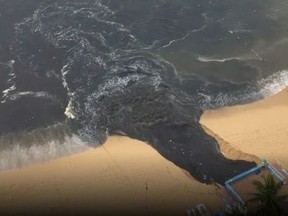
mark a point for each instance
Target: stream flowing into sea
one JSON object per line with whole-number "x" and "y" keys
{"x": 74, "y": 72}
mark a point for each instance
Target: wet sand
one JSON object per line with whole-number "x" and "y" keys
{"x": 124, "y": 176}
{"x": 259, "y": 129}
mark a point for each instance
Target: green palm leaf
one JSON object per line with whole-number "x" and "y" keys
{"x": 267, "y": 196}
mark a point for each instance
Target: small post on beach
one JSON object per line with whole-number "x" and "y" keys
{"x": 146, "y": 196}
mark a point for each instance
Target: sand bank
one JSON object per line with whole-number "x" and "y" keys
{"x": 253, "y": 131}
{"x": 124, "y": 176}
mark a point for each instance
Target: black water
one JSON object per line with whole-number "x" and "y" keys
{"x": 145, "y": 68}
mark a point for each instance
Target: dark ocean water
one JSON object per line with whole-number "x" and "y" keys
{"x": 73, "y": 72}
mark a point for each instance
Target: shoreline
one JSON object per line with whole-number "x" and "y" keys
{"x": 133, "y": 178}
{"x": 254, "y": 131}
{"x": 230, "y": 151}
{"x": 125, "y": 174}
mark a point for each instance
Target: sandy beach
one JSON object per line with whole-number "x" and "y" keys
{"x": 72, "y": 73}
{"x": 254, "y": 131}
{"x": 124, "y": 176}
{"x": 129, "y": 177}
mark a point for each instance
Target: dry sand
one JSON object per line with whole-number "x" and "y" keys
{"x": 110, "y": 179}
{"x": 259, "y": 129}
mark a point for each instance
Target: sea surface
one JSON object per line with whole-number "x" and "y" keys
{"x": 74, "y": 72}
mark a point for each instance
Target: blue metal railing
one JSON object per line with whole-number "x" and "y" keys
{"x": 247, "y": 173}
{"x": 276, "y": 173}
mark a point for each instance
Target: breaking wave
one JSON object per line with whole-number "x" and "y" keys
{"x": 24, "y": 149}
{"x": 261, "y": 89}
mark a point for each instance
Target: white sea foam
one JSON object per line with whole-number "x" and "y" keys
{"x": 263, "y": 88}
{"x": 204, "y": 26}
{"x": 16, "y": 95}
{"x": 10, "y": 82}
{"x": 19, "y": 156}
{"x": 206, "y": 59}
{"x": 69, "y": 110}
{"x": 11, "y": 63}
{"x": 8, "y": 90}
{"x": 176, "y": 40}
{"x": 115, "y": 84}
{"x": 236, "y": 31}
{"x": 274, "y": 83}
